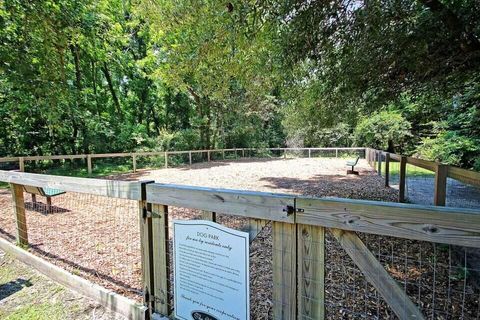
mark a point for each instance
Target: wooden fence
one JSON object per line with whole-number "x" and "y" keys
{"x": 299, "y": 226}
{"x": 379, "y": 159}
{"x": 238, "y": 152}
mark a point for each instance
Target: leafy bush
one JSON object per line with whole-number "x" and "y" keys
{"x": 451, "y": 148}
{"x": 379, "y": 128}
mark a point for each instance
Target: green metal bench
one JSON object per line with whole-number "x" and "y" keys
{"x": 353, "y": 164}
{"x": 44, "y": 192}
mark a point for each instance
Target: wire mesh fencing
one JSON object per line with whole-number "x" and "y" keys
{"x": 462, "y": 195}
{"x": 91, "y": 236}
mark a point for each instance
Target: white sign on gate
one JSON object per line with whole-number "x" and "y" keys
{"x": 210, "y": 271}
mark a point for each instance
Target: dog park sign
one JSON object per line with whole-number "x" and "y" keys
{"x": 210, "y": 271}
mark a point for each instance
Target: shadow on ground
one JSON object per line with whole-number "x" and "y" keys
{"x": 12, "y": 287}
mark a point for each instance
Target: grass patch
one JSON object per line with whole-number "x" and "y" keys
{"x": 42, "y": 311}
{"x": 394, "y": 169}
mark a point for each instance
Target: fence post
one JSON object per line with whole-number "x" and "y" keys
{"x": 146, "y": 251}
{"x": 208, "y": 155}
{"x": 20, "y": 217}
{"x": 379, "y": 164}
{"x": 243, "y": 153}
{"x": 236, "y": 155}
{"x": 166, "y": 159}
{"x": 89, "y": 164}
{"x": 284, "y": 270}
{"x": 284, "y": 153}
{"x": 21, "y": 164}
{"x": 387, "y": 169}
{"x": 336, "y": 153}
{"x": 223, "y": 154}
{"x": 190, "y": 157}
{"x": 440, "y": 193}
{"x": 311, "y": 272}
{"x": 161, "y": 266}
{"x": 209, "y": 215}
{"x": 402, "y": 182}
{"x": 309, "y": 152}
{"x": 134, "y": 162}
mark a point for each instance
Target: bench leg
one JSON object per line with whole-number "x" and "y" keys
{"x": 49, "y": 204}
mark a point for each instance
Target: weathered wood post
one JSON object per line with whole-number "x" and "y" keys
{"x": 21, "y": 164}
{"x": 161, "y": 261}
{"x": 236, "y": 155}
{"x": 165, "y": 155}
{"x": 440, "y": 193}
{"x": 146, "y": 244}
{"x": 336, "y": 153}
{"x": 208, "y": 155}
{"x": 387, "y": 169}
{"x": 190, "y": 157}
{"x": 209, "y": 215}
{"x": 89, "y": 164}
{"x": 134, "y": 162}
{"x": 20, "y": 217}
{"x": 285, "y": 153}
{"x": 379, "y": 164}
{"x": 402, "y": 182}
{"x": 243, "y": 153}
{"x": 309, "y": 152}
{"x": 223, "y": 154}
{"x": 311, "y": 272}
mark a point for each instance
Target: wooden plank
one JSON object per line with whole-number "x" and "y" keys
{"x": 255, "y": 226}
{"x": 251, "y": 204}
{"x": 9, "y": 159}
{"x": 284, "y": 271}
{"x": 376, "y": 274}
{"x": 311, "y": 272}
{"x": 387, "y": 169}
{"x": 428, "y": 223}
{"x": 395, "y": 156}
{"x": 55, "y": 157}
{"x": 107, "y": 298}
{"x": 425, "y": 164}
{"x": 440, "y": 191}
{"x": 465, "y": 176}
{"x": 161, "y": 261}
{"x": 402, "y": 179}
{"x": 107, "y": 188}
{"x": 209, "y": 215}
{"x": 19, "y": 211}
{"x": 109, "y": 155}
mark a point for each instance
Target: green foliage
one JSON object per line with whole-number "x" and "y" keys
{"x": 380, "y": 128}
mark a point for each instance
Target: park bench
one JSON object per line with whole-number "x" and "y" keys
{"x": 44, "y": 192}
{"x": 352, "y": 164}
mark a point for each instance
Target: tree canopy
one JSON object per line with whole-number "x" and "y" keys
{"x": 123, "y": 75}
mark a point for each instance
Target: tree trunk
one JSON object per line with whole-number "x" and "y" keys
{"x": 116, "y": 102}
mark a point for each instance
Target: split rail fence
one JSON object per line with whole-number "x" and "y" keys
{"x": 381, "y": 161}
{"x": 208, "y": 155}
{"x": 303, "y": 230}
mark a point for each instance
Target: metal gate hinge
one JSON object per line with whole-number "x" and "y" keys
{"x": 147, "y": 213}
{"x": 291, "y": 210}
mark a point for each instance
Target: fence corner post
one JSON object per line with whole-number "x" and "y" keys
{"x": 440, "y": 193}
{"x": 20, "y": 217}
{"x": 402, "y": 182}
